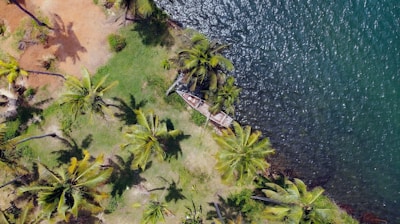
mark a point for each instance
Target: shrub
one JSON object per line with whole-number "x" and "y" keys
{"x": 117, "y": 42}
{"x": 29, "y": 93}
{"x": 198, "y": 118}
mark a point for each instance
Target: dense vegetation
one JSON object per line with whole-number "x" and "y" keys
{"x": 58, "y": 179}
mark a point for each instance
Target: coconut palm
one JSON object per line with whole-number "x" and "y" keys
{"x": 242, "y": 154}
{"x": 203, "y": 62}
{"x": 66, "y": 190}
{"x": 154, "y": 212}
{"x": 145, "y": 139}
{"x": 143, "y": 8}
{"x": 83, "y": 96}
{"x": 225, "y": 97}
{"x": 293, "y": 203}
{"x": 11, "y": 70}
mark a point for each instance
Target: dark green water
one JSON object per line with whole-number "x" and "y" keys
{"x": 321, "y": 78}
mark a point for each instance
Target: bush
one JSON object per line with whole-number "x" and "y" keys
{"x": 29, "y": 93}
{"x": 117, "y": 42}
{"x": 198, "y": 118}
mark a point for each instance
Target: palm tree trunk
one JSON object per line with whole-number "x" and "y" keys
{"x": 53, "y": 135}
{"x": 10, "y": 182}
{"x": 218, "y": 212}
{"x": 178, "y": 81}
{"x": 46, "y": 73}
{"x": 40, "y": 23}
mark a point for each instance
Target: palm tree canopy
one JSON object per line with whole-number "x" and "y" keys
{"x": 154, "y": 212}
{"x": 83, "y": 96}
{"x": 66, "y": 190}
{"x": 295, "y": 204}
{"x": 144, "y": 138}
{"x": 203, "y": 61}
{"x": 144, "y": 8}
{"x": 225, "y": 97}
{"x": 242, "y": 154}
{"x": 11, "y": 70}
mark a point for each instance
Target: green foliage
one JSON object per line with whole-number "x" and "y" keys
{"x": 224, "y": 98}
{"x": 193, "y": 215}
{"x": 142, "y": 8}
{"x": 203, "y": 63}
{"x": 158, "y": 82}
{"x": 166, "y": 64}
{"x": 11, "y": 70}
{"x": 116, "y": 42}
{"x": 68, "y": 189}
{"x": 114, "y": 203}
{"x": 242, "y": 154}
{"x": 251, "y": 209}
{"x": 198, "y": 118}
{"x": 27, "y": 152}
{"x": 25, "y": 215}
{"x": 83, "y": 96}
{"x": 12, "y": 129}
{"x": 30, "y": 92}
{"x": 41, "y": 33}
{"x": 154, "y": 212}
{"x": 145, "y": 139}
{"x": 293, "y": 203}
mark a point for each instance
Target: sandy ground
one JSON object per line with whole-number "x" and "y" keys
{"x": 79, "y": 38}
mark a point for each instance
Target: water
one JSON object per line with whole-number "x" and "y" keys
{"x": 321, "y": 79}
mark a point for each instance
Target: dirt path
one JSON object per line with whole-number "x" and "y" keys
{"x": 79, "y": 38}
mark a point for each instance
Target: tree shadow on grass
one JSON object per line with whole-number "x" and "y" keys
{"x": 154, "y": 30}
{"x": 174, "y": 192}
{"x": 127, "y": 113}
{"x": 172, "y": 145}
{"x": 123, "y": 176}
{"x": 225, "y": 208}
{"x": 74, "y": 150}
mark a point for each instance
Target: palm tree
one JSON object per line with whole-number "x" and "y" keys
{"x": 203, "y": 62}
{"x": 155, "y": 212}
{"x": 67, "y": 190}
{"x": 145, "y": 138}
{"x": 241, "y": 154}
{"x": 293, "y": 203}
{"x": 143, "y": 8}
{"x": 224, "y": 98}
{"x": 83, "y": 96}
{"x": 12, "y": 71}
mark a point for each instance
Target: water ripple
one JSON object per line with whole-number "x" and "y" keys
{"x": 321, "y": 80}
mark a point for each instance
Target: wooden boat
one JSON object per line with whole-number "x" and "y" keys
{"x": 221, "y": 119}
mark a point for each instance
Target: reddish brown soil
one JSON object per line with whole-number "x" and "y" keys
{"x": 79, "y": 38}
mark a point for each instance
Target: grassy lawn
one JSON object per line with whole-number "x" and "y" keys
{"x": 188, "y": 173}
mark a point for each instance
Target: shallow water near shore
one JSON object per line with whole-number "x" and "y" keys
{"x": 321, "y": 79}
